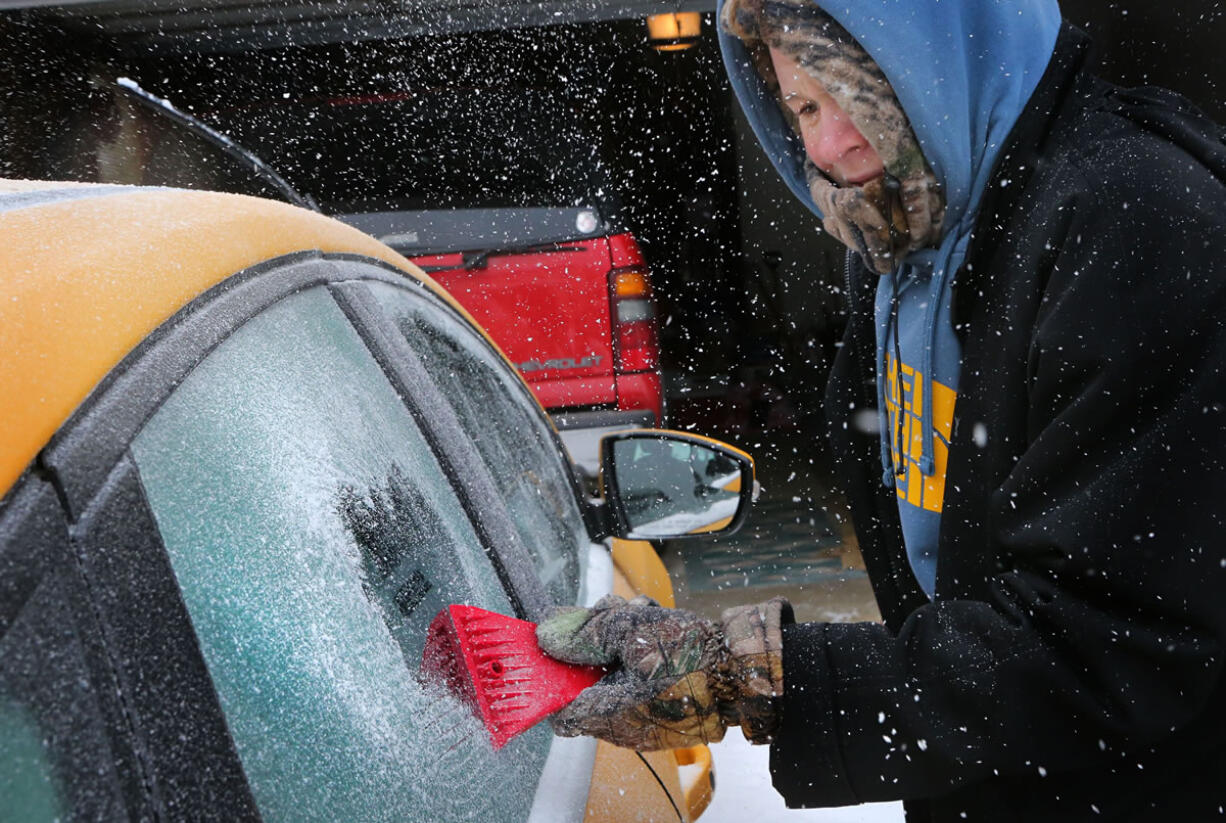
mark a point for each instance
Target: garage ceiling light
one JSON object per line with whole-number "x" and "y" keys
{"x": 674, "y": 31}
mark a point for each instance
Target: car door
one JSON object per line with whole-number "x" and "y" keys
{"x": 266, "y": 510}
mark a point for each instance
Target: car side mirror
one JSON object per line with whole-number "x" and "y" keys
{"x": 664, "y": 484}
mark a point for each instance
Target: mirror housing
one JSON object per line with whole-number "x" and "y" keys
{"x": 661, "y": 484}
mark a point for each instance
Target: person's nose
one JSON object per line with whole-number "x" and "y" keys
{"x": 830, "y": 139}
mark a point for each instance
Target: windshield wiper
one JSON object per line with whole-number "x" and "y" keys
{"x": 167, "y": 109}
{"x": 480, "y": 258}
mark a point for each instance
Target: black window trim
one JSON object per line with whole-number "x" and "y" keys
{"x": 592, "y": 511}
{"x": 463, "y": 467}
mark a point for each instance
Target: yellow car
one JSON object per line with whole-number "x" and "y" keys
{"x": 246, "y": 454}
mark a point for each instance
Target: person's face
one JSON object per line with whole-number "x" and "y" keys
{"x": 832, "y": 142}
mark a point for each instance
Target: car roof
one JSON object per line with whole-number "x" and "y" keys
{"x": 89, "y": 271}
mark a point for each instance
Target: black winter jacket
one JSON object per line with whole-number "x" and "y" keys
{"x": 1071, "y": 666}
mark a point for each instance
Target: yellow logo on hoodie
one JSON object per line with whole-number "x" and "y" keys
{"x": 920, "y": 490}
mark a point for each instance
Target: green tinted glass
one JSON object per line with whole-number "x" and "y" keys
{"x": 28, "y": 787}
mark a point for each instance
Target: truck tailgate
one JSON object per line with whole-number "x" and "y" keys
{"x": 549, "y": 311}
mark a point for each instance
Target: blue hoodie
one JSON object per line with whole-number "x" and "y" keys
{"x": 963, "y": 71}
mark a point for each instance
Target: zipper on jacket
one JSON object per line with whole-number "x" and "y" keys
{"x": 867, "y": 397}
{"x": 851, "y": 306}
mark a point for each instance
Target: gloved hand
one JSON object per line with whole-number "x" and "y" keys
{"x": 678, "y": 679}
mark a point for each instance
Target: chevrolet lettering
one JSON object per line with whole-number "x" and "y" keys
{"x": 560, "y": 363}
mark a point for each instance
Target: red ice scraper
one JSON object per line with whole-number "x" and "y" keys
{"x": 492, "y": 662}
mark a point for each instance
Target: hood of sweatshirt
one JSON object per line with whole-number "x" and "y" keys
{"x": 963, "y": 71}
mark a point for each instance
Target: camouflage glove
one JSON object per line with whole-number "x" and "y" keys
{"x": 678, "y": 679}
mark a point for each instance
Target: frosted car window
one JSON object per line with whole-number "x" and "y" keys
{"x": 314, "y": 536}
{"x": 505, "y": 425}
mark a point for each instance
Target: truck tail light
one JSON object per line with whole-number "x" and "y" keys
{"x": 636, "y": 346}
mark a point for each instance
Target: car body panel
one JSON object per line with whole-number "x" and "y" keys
{"x": 642, "y": 390}
{"x": 643, "y": 570}
{"x": 618, "y": 785}
{"x": 697, "y": 778}
{"x": 579, "y": 391}
{"x": 625, "y": 252}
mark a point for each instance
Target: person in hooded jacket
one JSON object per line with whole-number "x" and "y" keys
{"x": 1037, "y": 300}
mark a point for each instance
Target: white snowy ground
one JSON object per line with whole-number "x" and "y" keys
{"x": 743, "y": 792}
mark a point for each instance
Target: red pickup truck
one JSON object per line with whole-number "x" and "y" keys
{"x": 567, "y": 298}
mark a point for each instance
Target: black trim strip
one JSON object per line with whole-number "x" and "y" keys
{"x": 185, "y": 753}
